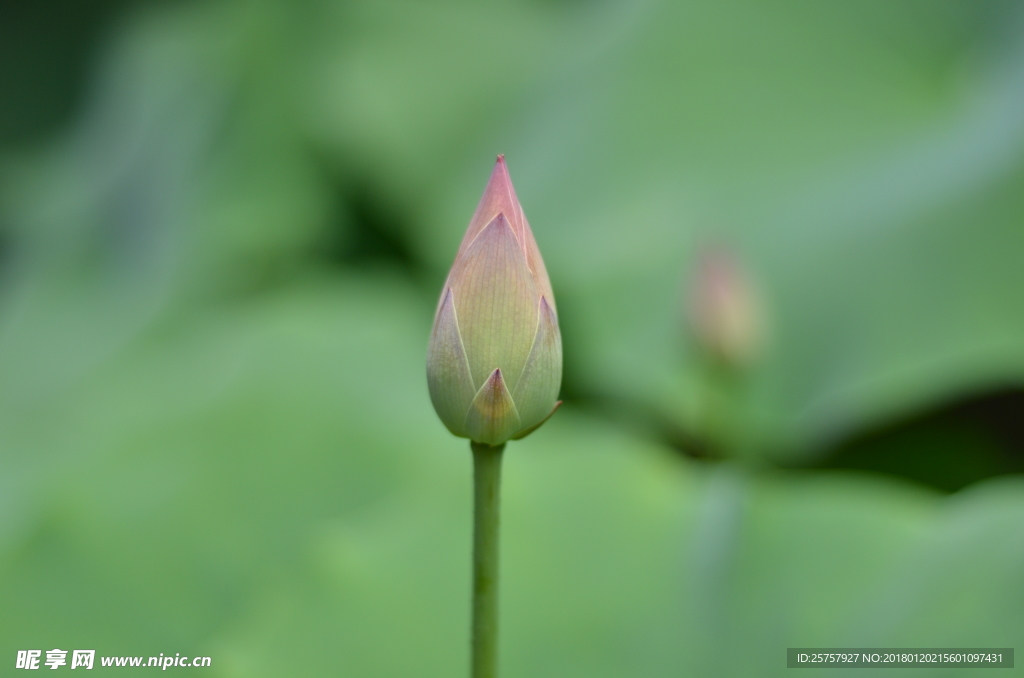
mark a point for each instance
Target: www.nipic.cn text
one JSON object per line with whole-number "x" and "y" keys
{"x": 85, "y": 659}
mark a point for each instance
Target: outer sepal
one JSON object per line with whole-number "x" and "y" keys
{"x": 538, "y": 386}
{"x": 492, "y": 418}
{"x": 448, "y": 376}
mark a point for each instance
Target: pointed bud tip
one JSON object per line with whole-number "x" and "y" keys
{"x": 494, "y": 382}
{"x": 500, "y": 173}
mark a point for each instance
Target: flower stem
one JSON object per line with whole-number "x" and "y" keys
{"x": 486, "y": 501}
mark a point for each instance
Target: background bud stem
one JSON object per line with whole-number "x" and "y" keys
{"x": 486, "y": 506}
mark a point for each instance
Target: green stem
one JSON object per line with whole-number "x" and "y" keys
{"x": 486, "y": 501}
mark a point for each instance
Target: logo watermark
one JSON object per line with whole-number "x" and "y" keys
{"x": 85, "y": 659}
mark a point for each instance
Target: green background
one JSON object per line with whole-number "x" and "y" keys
{"x": 223, "y": 229}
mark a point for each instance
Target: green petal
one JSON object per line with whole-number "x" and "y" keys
{"x": 536, "y": 391}
{"x": 492, "y": 417}
{"x": 496, "y": 301}
{"x": 448, "y": 376}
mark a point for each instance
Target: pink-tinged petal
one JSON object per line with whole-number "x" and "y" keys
{"x": 537, "y": 389}
{"x": 536, "y": 264}
{"x": 448, "y": 375}
{"x": 500, "y": 198}
{"x": 492, "y": 417}
{"x": 496, "y": 302}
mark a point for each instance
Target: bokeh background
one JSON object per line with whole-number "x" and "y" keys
{"x": 787, "y": 240}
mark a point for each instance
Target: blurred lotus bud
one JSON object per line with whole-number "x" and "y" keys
{"x": 494, "y": 366}
{"x": 724, "y": 313}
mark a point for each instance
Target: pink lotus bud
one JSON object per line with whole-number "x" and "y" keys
{"x": 494, "y": 365}
{"x": 725, "y": 315}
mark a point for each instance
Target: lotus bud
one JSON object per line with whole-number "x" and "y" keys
{"x": 725, "y": 315}
{"x": 494, "y": 365}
